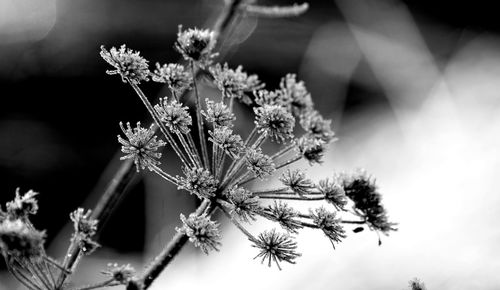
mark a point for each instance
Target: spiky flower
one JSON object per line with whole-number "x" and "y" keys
{"x": 275, "y": 121}
{"x": 85, "y": 228}
{"x": 334, "y": 193}
{"x": 226, "y": 140}
{"x": 120, "y": 273}
{"x": 296, "y": 180}
{"x": 276, "y": 247}
{"x": 260, "y": 164}
{"x": 202, "y": 232}
{"x": 219, "y": 114}
{"x": 174, "y": 115}
{"x": 174, "y": 75}
{"x": 196, "y": 45}
{"x": 317, "y": 126}
{"x": 141, "y": 146}
{"x": 22, "y": 205}
{"x": 198, "y": 181}
{"x": 329, "y": 224}
{"x": 300, "y": 99}
{"x": 361, "y": 189}
{"x": 128, "y": 64}
{"x": 242, "y": 204}
{"x": 311, "y": 149}
{"x": 273, "y": 98}
{"x": 20, "y": 240}
{"x": 285, "y": 215}
{"x": 234, "y": 83}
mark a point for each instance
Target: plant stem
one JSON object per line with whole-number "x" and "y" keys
{"x": 201, "y": 129}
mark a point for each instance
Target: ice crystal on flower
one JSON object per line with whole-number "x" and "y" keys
{"x": 121, "y": 274}
{"x": 260, "y": 164}
{"x": 243, "y": 204}
{"x": 334, "y": 193}
{"x": 127, "y": 63}
{"x": 275, "y": 121}
{"x": 285, "y": 215}
{"x": 276, "y": 247}
{"x": 202, "y": 232}
{"x": 299, "y": 98}
{"x": 296, "y": 180}
{"x": 313, "y": 150}
{"x": 234, "y": 83}
{"x": 196, "y": 45}
{"x": 174, "y": 115}
{"x": 317, "y": 126}
{"x": 198, "y": 181}
{"x": 226, "y": 140}
{"x": 219, "y": 114}
{"x": 85, "y": 228}
{"x": 23, "y": 205}
{"x": 174, "y": 75}
{"x": 329, "y": 224}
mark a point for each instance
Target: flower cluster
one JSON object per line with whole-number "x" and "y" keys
{"x": 85, "y": 228}
{"x": 202, "y": 232}
{"x": 235, "y": 83}
{"x": 174, "y": 75}
{"x": 128, "y": 64}
{"x": 196, "y": 45}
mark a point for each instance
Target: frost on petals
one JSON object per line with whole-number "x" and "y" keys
{"x": 202, "y": 232}
{"x": 127, "y": 63}
{"x": 276, "y": 247}
{"x": 196, "y": 45}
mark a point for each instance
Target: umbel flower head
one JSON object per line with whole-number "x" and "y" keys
{"x": 334, "y": 193}
{"x": 296, "y": 180}
{"x": 23, "y": 205}
{"x": 141, "y": 146}
{"x": 257, "y": 162}
{"x": 272, "y": 98}
{"x": 174, "y": 75}
{"x": 226, "y": 140}
{"x": 312, "y": 149}
{"x": 127, "y": 63}
{"x": 300, "y": 98}
{"x": 196, "y": 45}
{"x": 276, "y": 247}
{"x": 285, "y": 215}
{"x": 198, "y": 181}
{"x": 20, "y": 240}
{"x": 243, "y": 204}
{"x": 121, "y": 274}
{"x": 317, "y": 126}
{"x": 174, "y": 115}
{"x": 202, "y": 232}
{"x": 218, "y": 114}
{"x": 329, "y": 224}
{"x": 275, "y": 121}
{"x": 235, "y": 83}
{"x": 85, "y": 228}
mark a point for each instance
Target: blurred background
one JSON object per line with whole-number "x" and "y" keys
{"x": 412, "y": 86}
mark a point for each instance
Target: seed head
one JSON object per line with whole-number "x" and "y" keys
{"x": 141, "y": 146}
{"x": 174, "y": 75}
{"x": 260, "y": 164}
{"x": 20, "y": 240}
{"x": 334, "y": 193}
{"x": 174, "y": 115}
{"x": 275, "y": 121}
{"x": 296, "y": 180}
{"x": 22, "y": 205}
{"x": 219, "y": 114}
{"x": 276, "y": 247}
{"x": 226, "y": 140}
{"x": 83, "y": 224}
{"x": 202, "y": 232}
{"x": 242, "y": 204}
{"x": 329, "y": 224}
{"x": 128, "y": 64}
{"x": 121, "y": 274}
{"x": 285, "y": 215}
{"x": 273, "y": 98}
{"x": 235, "y": 83}
{"x": 319, "y": 128}
{"x": 300, "y": 98}
{"x": 198, "y": 181}
{"x": 196, "y": 45}
{"x": 311, "y": 149}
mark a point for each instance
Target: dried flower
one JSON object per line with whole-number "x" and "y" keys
{"x": 121, "y": 274}
{"x": 301, "y": 100}
{"x": 196, "y": 45}
{"x": 83, "y": 224}
{"x": 273, "y": 98}
{"x": 235, "y": 83}
{"x": 141, "y": 146}
{"x": 202, "y": 232}
{"x": 198, "y": 181}
{"x": 226, "y": 140}
{"x": 311, "y": 149}
{"x": 329, "y": 224}
{"x": 275, "y": 121}
{"x": 318, "y": 127}
{"x": 174, "y": 75}
{"x": 20, "y": 240}
{"x": 218, "y": 113}
{"x": 174, "y": 115}
{"x": 334, "y": 193}
{"x": 22, "y": 206}
{"x": 276, "y": 247}
{"x": 242, "y": 204}
{"x": 260, "y": 164}
{"x": 296, "y": 180}
{"x": 285, "y": 215}
{"x": 128, "y": 64}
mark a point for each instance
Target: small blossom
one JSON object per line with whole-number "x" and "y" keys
{"x": 272, "y": 98}
{"x": 121, "y": 274}
{"x": 174, "y": 115}
{"x": 219, "y": 114}
{"x": 83, "y": 224}
{"x": 128, "y": 64}
{"x": 23, "y": 205}
{"x": 313, "y": 150}
{"x": 242, "y": 204}
{"x": 226, "y": 140}
{"x": 334, "y": 193}
{"x": 235, "y": 83}
{"x": 300, "y": 98}
{"x": 202, "y": 232}
{"x": 196, "y": 45}
{"x": 329, "y": 224}
{"x": 20, "y": 240}
{"x": 285, "y": 215}
{"x": 296, "y": 180}
{"x": 174, "y": 75}
{"x": 361, "y": 189}
{"x": 276, "y": 247}
{"x": 141, "y": 146}
{"x": 275, "y": 121}
{"x": 198, "y": 181}
{"x": 318, "y": 127}
{"x": 260, "y": 164}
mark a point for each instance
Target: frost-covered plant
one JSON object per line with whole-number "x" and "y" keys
{"x": 220, "y": 175}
